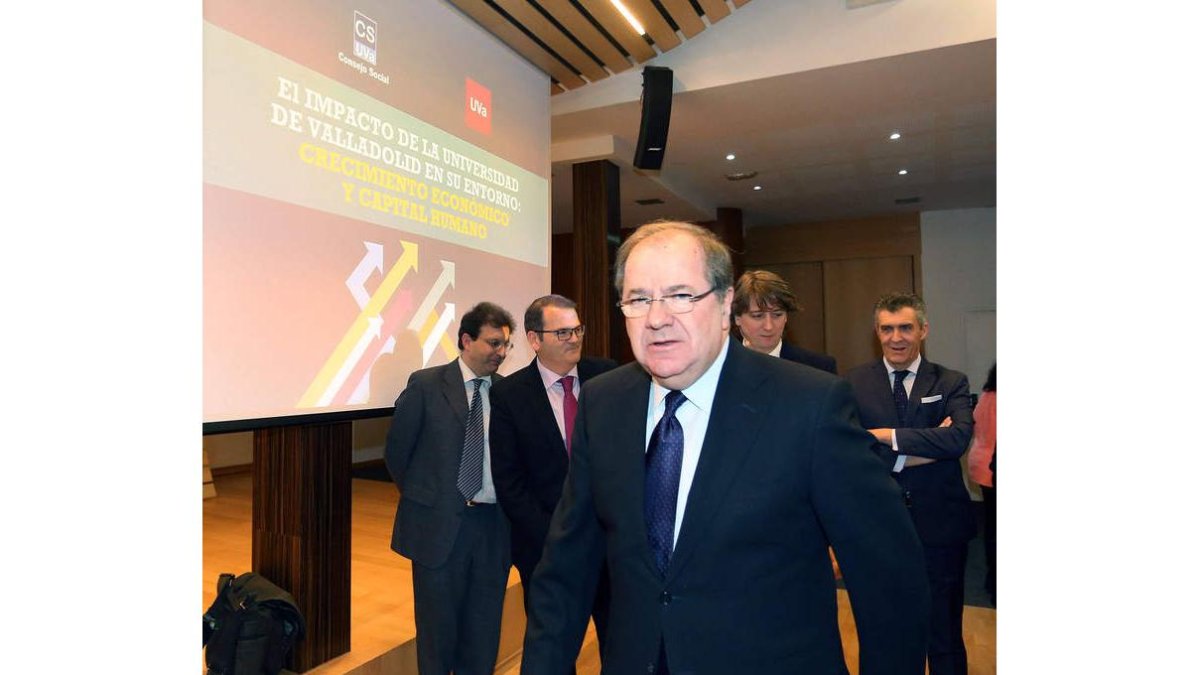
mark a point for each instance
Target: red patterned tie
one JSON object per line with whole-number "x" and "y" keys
{"x": 570, "y": 406}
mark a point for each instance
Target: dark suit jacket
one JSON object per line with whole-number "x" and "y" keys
{"x": 529, "y": 458}
{"x": 941, "y": 506}
{"x": 785, "y": 471}
{"x": 808, "y": 358}
{"x": 424, "y": 447}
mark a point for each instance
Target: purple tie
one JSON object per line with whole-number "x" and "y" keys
{"x": 664, "y": 458}
{"x": 570, "y": 406}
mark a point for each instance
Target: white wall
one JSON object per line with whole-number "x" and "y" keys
{"x": 958, "y": 276}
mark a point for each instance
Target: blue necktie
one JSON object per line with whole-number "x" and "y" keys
{"x": 900, "y": 396}
{"x": 664, "y": 458}
{"x": 470, "y": 467}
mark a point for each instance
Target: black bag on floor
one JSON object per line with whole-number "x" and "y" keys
{"x": 250, "y": 627}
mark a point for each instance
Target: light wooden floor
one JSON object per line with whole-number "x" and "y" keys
{"x": 381, "y": 583}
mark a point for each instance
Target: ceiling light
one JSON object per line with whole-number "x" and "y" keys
{"x": 757, "y": 187}
{"x": 741, "y": 175}
{"x": 895, "y": 135}
{"x": 731, "y": 156}
{"x": 903, "y": 172}
{"x": 628, "y": 16}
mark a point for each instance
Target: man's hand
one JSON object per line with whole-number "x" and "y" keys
{"x": 882, "y": 435}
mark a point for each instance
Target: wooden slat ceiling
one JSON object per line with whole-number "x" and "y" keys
{"x": 581, "y": 41}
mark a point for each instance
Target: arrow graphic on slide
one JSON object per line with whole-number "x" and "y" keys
{"x": 429, "y": 342}
{"x": 374, "y": 324}
{"x": 357, "y": 281}
{"x": 445, "y": 280}
{"x": 354, "y": 342}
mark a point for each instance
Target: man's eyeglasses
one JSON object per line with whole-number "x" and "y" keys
{"x": 496, "y": 344}
{"x": 564, "y": 334}
{"x": 676, "y": 303}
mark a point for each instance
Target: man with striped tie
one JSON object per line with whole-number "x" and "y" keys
{"x": 447, "y": 522}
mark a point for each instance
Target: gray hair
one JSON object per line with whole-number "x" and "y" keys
{"x": 897, "y": 300}
{"x": 718, "y": 264}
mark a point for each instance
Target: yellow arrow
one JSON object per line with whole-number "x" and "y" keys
{"x": 449, "y": 348}
{"x": 407, "y": 261}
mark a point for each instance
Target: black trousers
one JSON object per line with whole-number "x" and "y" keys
{"x": 599, "y": 605}
{"x": 947, "y": 569}
{"x": 989, "y": 537}
{"x": 458, "y": 605}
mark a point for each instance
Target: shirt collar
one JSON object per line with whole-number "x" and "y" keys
{"x": 549, "y": 377}
{"x": 704, "y": 389}
{"x": 774, "y": 352}
{"x": 468, "y": 374}
{"x": 912, "y": 367}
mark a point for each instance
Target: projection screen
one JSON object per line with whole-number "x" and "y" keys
{"x": 371, "y": 171}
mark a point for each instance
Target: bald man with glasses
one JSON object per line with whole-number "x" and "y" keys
{"x": 533, "y": 415}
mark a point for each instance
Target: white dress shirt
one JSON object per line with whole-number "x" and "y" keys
{"x": 693, "y": 416}
{"x": 554, "y": 392}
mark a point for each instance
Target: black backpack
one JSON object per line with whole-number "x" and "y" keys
{"x": 250, "y": 627}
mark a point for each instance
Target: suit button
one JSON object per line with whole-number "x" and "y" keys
{"x": 649, "y": 667}
{"x": 665, "y": 598}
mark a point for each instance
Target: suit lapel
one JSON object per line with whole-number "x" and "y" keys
{"x": 539, "y": 405}
{"x": 455, "y": 391}
{"x": 627, "y": 456}
{"x": 737, "y": 416}
{"x": 922, "y": 385}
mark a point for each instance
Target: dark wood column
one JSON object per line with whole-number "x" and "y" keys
{"x": 728, "y": 226}
{"x": 597, "y": 224}
{"x": 301, "y": 530}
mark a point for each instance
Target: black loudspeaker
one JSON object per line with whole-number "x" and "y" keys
{"x": 657, "y": 83}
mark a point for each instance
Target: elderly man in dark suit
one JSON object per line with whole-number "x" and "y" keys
{"x": 533, "y": 415}
{"x": 447, "y": 522}
{"x": 920, "y": 414}
{"x": 713, "y": 479}
{"x": 761, "y": 304}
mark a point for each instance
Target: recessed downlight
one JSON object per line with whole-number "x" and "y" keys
{"x": 757, "y": 187}
{"x": 895, "y": 136}
{"x": 903, "y": 172}
{"x": 731, "y": 156}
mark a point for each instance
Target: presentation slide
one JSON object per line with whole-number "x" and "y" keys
{"x": 371, "y": 171}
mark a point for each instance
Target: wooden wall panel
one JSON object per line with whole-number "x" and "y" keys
{"x": 835, "y": 240}
{"x": 806, "y": 326}
{"x": 851, "y": 289}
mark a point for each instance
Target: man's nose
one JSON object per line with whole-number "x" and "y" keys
{"x": 658, "y": 315}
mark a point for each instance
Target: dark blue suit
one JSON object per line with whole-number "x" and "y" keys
{"x": 939, "y": 503}
{"x": 785, "y": 471}
{"x": 808, "y": 357}
{"x": 529, "y": 465}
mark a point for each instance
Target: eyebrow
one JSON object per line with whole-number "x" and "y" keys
{"x": 669, "y": 290}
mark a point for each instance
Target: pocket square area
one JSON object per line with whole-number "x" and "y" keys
{"x": 931, "y": 399}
